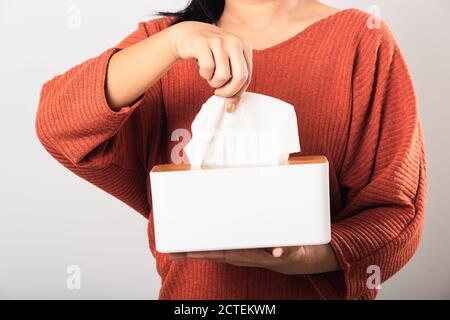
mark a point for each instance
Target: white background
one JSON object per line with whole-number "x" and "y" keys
{"x": 50, "y": 219}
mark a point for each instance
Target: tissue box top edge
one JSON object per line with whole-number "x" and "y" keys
{"x": 292, "y": 161}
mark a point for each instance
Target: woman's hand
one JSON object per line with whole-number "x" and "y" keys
{"x": 224, "y": 60}
{"x": 286, "y": 260}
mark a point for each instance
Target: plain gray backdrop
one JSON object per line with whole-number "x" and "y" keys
{"x": 51, "y": 219}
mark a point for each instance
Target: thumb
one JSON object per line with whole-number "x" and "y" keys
{"x": 231, "y": 103}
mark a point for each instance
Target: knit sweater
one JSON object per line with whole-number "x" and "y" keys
{"x": 355, "y": 104}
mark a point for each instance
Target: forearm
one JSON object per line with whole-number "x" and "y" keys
{"x": 136, "y": 68}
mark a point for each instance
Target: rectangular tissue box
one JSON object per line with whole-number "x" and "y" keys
{"x": 245, "y": 207}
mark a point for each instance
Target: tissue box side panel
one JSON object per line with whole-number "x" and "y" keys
{"x": 241, "y": 207}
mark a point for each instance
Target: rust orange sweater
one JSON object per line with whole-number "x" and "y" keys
{"x": 355, "y": 103}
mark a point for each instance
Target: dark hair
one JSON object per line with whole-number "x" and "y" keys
{"x": 208, "y": 11}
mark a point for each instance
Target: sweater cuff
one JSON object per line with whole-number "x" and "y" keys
{"x": 115, "y": 118}
{"x": 351, "y": 282}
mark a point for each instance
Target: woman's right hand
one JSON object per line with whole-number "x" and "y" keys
{"x": 224, "y": 60}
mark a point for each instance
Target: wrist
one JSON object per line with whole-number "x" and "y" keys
{"x": 162, "y": 44}
{"x": 323, "y": 258}
{"x": 173, "y": 34}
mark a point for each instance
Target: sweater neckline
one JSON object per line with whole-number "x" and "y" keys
{"x": 301, "y": 33}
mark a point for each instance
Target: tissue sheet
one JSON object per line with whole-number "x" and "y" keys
{"x": 261, "y": 131}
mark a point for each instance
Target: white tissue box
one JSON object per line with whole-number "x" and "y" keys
{"x": 237, "y": 208}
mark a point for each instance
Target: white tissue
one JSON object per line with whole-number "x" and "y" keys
{"x": 261, "y": 131}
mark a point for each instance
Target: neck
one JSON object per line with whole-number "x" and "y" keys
{"x": 258, "y": 12}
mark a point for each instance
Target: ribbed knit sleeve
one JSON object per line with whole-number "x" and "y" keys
{"x": 79, "y": 129}
{"x": 383, "y": 175}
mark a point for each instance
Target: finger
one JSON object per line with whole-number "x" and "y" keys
{"x": 177, "y": 256}
{"x": 238, "y": 257}
{"x": 277, "y": 252}
{"x": 239, "y": 71}
{"x": 232, "y": 102}
{"x": 210, "y": 255}
{"x": 246, "y": 257}
{"x": 222, "y": 71}
{"x": 205, "y": 60}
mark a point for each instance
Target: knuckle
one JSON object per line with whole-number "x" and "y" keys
{"x": 246, "y": 45}
{"x": 207, "y": 66}
{"x": 222, "y": 77}
{"x": 215, "y": 41}
{"x": 216, "y": 84}
{"x": 199, "y": 42}
{"x": 232, "y": 38}
{"x": 241, "y": 77}
{"x": 234, "y": 41}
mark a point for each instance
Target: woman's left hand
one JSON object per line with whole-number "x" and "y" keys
{"x": 286, "y": 260}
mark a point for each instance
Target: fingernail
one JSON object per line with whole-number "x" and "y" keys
{"x": 277, "y": 252}
{"x": 231, "y": 107}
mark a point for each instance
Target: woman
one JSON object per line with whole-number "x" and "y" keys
{"x": 110, "y": 119}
